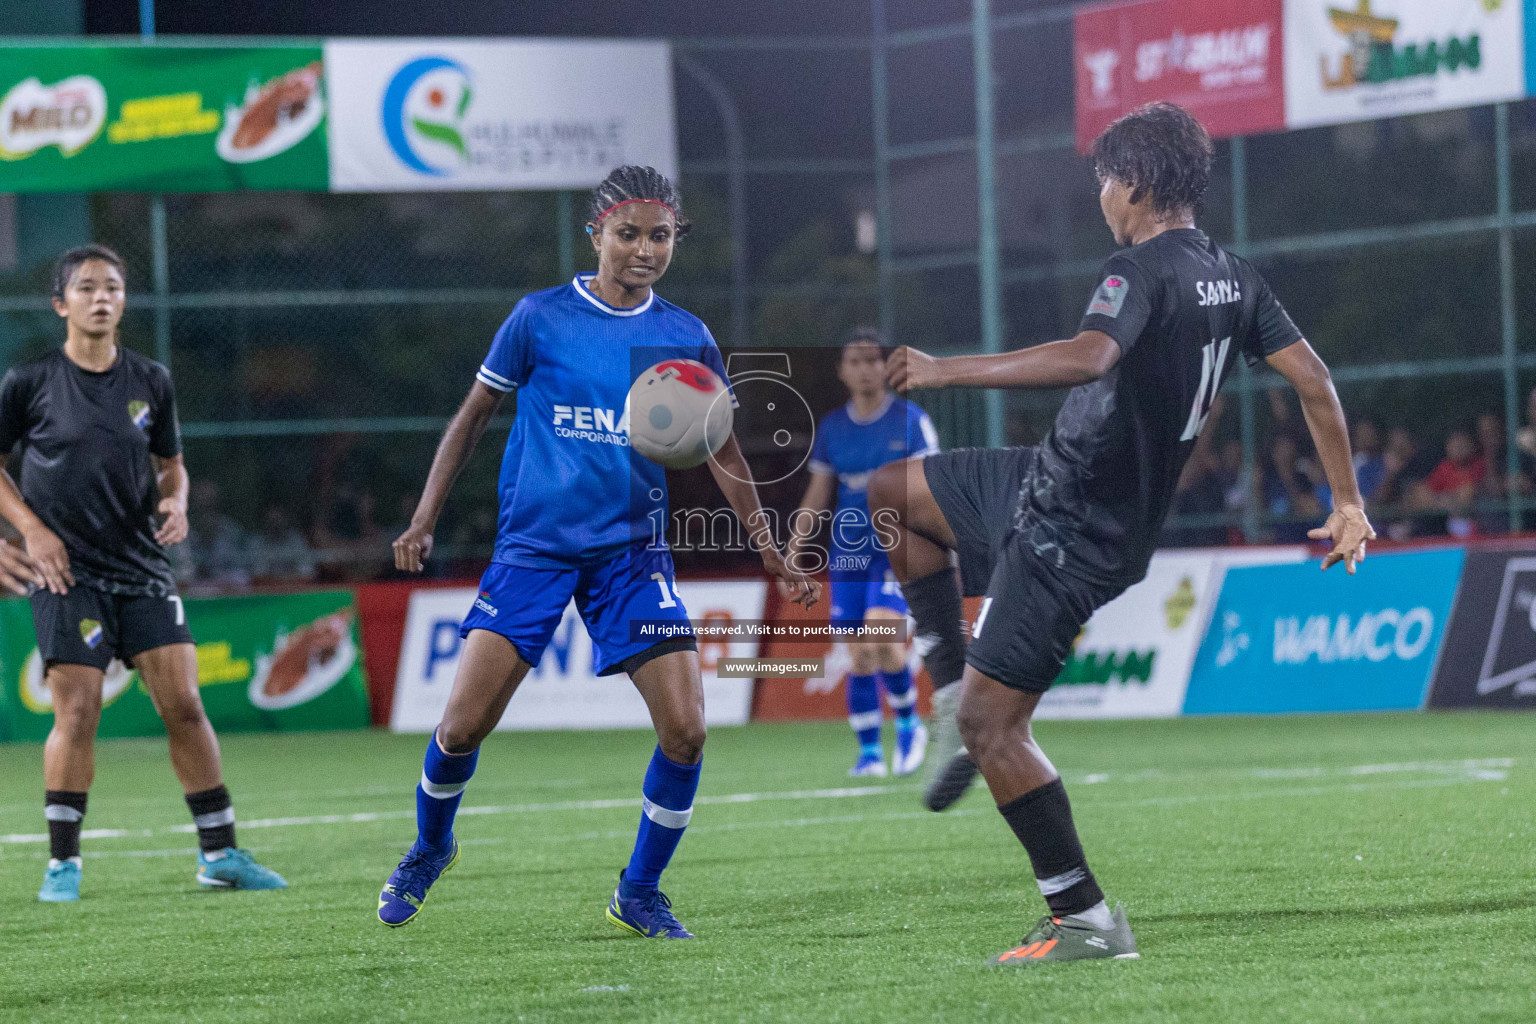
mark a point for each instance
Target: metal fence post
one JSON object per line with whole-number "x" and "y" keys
{"x": 988, "y": 261}
{"x": 1509, "y": 327}
{"x": 1245, "y": 398}
{"x": 880, "y": 82}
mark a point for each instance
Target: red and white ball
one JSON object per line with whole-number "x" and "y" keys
{"x": 679, "y": 413}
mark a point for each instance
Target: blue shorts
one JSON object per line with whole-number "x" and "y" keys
{"x": 855, "y": 592}
{"x": 525, "y": 605}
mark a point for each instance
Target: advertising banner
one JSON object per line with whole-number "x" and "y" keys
{"x": 1289, "y": 638}
{"x": 271, "y": 662}
{"x": 1490, "y": 647}
{"x": 561, "y": 692}
{"x": 420, "y": 114}
{"x": 1354, "y": 60}
{"x": 1222, "y": 62}
{"x": 83, "y": 118}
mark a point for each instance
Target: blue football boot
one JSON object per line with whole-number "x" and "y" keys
{"x": 236, "y": 870}
{"x": 405, "y": 892}
{"x": 644, "y": 912}
{"x": 61, "y": 883}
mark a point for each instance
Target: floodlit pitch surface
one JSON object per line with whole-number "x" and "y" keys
{"x": 1360, "y": 868}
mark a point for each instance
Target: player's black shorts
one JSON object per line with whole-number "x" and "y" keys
{"x": 1033, "y": 610}
{"x": 91, "y": 627}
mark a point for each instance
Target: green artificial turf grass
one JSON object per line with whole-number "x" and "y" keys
{"x": 1342, "y": 868}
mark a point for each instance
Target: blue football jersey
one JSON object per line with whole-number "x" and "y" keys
{"x": 851, "y": 449}
{"x": 571, "y": 491}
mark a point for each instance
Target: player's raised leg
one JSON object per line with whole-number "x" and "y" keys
{"x": 169, "y": 673}
{"x": 69, "y": 767}
{"x": 489, "y": 672}
{"x": 674, "y": 692}
{"x": 900, "y": 498}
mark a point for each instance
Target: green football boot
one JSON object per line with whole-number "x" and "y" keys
{"x": 1056, "y": 938}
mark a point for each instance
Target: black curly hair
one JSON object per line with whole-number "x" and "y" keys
{"x": 635, "y": 183}
{"x": 1161, "y": 150}
{"x": 69, "y": 261}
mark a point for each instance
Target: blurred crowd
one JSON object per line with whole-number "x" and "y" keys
{"x": 1455, "y": 485}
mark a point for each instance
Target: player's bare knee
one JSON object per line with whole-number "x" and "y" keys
{"x": 457, "y": 737}
{"x": 183, "y": 715}
{"x": 980, "y": 729}
{"x": 890, "y": 657}
{"x": 864, "y": 659}
{"x": 683, "y": 742}
{"x": 76, "y": 718}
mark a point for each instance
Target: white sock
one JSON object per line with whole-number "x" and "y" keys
{"x": 212, "y": 855}
{"x": 54, "y": 862}
{"x": 1096, "y": 916}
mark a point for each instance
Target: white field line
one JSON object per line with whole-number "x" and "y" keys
{"x": 1472, "y": 776}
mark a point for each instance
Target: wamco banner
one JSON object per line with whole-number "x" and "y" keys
{"x": 182, "y": 119}
{"x": 1289, "y": 638}
{"x": 1354, "y": 60}
{"x": 1490, "y": 647}
{"x": 420, "y": 114}
{"x": 269, "y": 662}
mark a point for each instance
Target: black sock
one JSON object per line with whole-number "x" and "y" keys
{"x": 1042, "y": 819}
{"x": 64, "y": 810}
{"x": 214, "y": 815}
{"x": 940, "y": 616}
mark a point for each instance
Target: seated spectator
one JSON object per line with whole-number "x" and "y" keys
{"x": 1370, "y": 466}
{"x": 1497, "y": 484}
{"x": 1452, "y": 486}
{"x": 1290, "y": 491}
{"x": 1405, "y": 465}
{"x": 281, "y": 552}
{"x": 1199, "y": 492}
{"x": 218, "y": 546}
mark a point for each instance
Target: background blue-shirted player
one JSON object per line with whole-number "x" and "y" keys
{"x": 574, "y": 522}
{"x": 874, "y": 428}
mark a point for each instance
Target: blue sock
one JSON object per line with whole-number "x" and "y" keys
{"x": 669, "y": 789}
{"x": 902, "y": 697}
{"x": 864, "y": 714}
{"x": 443, "y": 778}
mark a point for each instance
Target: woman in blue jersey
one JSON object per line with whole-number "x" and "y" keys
{"x": 575, "y": 519}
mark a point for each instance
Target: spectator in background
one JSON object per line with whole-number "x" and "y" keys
{"x": 1199, "y": 491}
{"x": 1453, "y": 485}
{"x": 1497, "y": 484}
{"x": 1370, "y": 466}
{"x": 1525, "y": 440}
{"x": 1239, "y": 492}
{"x": 281, "y": 552}
{"x": 219, "y": 546}
{"x": 1406, "y": 465}
{"x": 1290, "y": 490}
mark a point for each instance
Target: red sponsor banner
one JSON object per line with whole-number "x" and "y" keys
{"x": 1221, "y": 62}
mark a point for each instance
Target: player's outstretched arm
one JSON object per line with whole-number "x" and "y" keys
{"x": 734, "y": 477}
{"x": 464, "y": 432}
{"x": 43, "y": 545}
{"x": 1056, "y": 364}
{"x": 805, "y": 520}
{"x": 1347, "y": 527}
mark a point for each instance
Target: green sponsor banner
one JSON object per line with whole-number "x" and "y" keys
{"x": 87, "y": 118}
{"x": 278, "y": 662}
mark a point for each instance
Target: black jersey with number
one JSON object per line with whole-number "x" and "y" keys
{"x": 85, "y": 469}
{"x": 1181, "y": 309}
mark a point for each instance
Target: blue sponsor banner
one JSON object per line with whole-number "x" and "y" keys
{"x": 1287, "y": 638}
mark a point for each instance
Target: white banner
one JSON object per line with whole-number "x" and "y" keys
{"x": 1355, "y": 60}
{"x": 562, "y": 692}
{"x": 420, "y": 114}
{"x": 1134, "y": 657}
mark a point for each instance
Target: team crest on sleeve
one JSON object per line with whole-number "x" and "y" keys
{"x": 1110, "y": 296}
{"x": 138, "y": 412}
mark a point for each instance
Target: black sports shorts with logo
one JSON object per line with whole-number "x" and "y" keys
{"x": 1033, "y": 610}
{"x": 91, "y": 627}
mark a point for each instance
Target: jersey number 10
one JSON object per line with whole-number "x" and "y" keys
{"x": 1213, "y": 360}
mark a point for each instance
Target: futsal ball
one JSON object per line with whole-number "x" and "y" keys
{"x": 679, "y": 413}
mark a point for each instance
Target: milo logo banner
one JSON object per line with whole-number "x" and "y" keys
{"x": 1355, "y": 60}
{"x": 277, "y": 662}
{"x": 82, "y": 118}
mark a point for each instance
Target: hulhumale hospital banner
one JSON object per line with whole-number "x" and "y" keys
{"x": 268, "y": 662}
{"x": 345, "y": 115}
{"x": 86, "y": 118}
{"x": 410, "y": 115}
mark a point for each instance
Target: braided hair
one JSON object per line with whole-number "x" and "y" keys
{"x": 635, "y": 184}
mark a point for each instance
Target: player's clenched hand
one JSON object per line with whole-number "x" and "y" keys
{"x": 412, "y": 548}
{"x": 907, "y": 368}
{"x": 1348, "y": 529}
{"x": 796, "y": 586}
{"x": 174, "y": 529}
{"x": 17, "y": 570}
{"x": 52, "y": 560}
